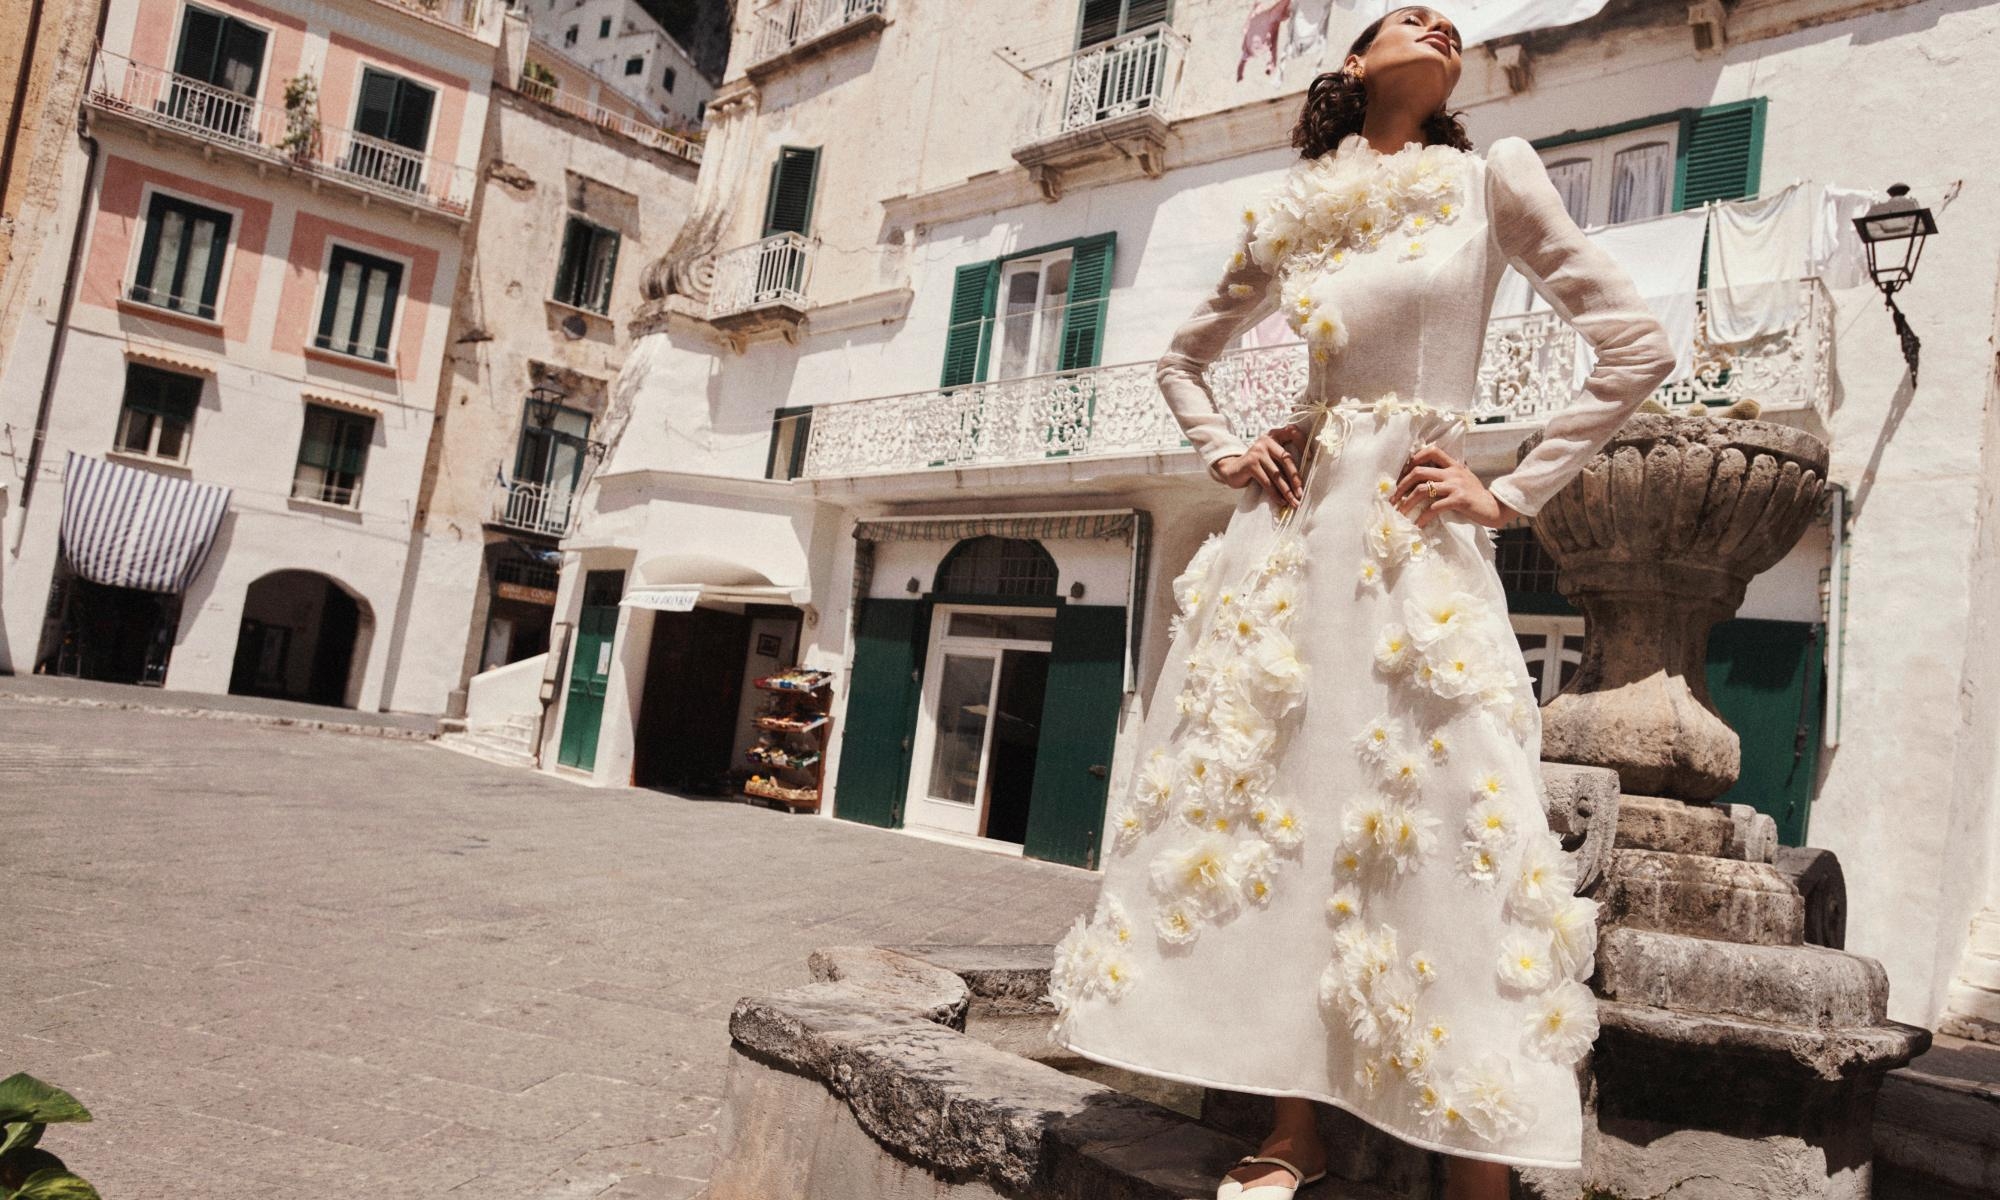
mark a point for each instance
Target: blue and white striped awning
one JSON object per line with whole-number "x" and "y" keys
{"x": 130, "y": 528}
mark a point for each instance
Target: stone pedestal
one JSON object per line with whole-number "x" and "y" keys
{"x": 1735, "y": 1061}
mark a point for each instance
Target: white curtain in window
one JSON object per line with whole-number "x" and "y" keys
{"x": 173, "y": 235}
{"x": 1642, "y": 182}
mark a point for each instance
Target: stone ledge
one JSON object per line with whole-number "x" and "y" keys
{"x": 1722, "y": 898}
{"x": 879, "y": 1031}
{"x": 1809, "y": 987}
{"x": 1830, "y": 1055}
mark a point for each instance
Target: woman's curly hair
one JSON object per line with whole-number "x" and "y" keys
{"x": 1337, "y": 101}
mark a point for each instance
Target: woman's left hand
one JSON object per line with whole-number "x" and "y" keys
{"x": 1435, "y": 482}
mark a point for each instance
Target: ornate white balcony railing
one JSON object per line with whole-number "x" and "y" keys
{"x": 164, "y": 100}
{"x": 1139, "y": 72}
{"x": 618, "y": 123}
{"x": 1525, "y": 374}
{"x": 462, "y": 13}
{"x": 789, "y": 24}
{"x": 773, "y": 271}
{"x": 533, "y": 508}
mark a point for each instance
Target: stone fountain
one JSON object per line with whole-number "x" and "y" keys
{"x": 1737, "y": 1059}
{"x": 1740, "y": 1050}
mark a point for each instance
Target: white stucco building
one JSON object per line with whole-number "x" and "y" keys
{"x": 624, "y": 46}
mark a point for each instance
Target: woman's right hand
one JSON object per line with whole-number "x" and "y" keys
{"x": 1271, "y": 462}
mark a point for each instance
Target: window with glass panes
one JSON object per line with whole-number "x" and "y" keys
{"x": 1104, "y": 20}
{"x": 1041, "y": 310}
{"x": 227, "y": 55}
{"x": 359, "y": 307}
{"x": 180, "y": 256}
{"x": 589, "y": 258}
{"x": 157, "y": 417}
{"x": 333, "y": 455}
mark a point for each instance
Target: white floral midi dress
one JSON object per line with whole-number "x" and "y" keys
{"x": 1330, "y": 873}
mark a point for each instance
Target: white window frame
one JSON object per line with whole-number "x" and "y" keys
{"x": 1599, "y": 153}
{"x": 1037, "y": 349}
{"x": 1559, "y": 629}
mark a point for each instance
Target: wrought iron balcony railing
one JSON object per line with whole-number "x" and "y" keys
{"x": 1525, "y": 374}
{"x": 618, "y": 123}
{"x": 1137, "y": 73}
{"x": 768, "y": 273}
{"x": 790, "y": 24}
{"x": 268, "y": 133}
{"x": 533, "y": 508}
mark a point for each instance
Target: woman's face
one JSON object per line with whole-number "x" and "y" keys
{"x": 1416, "y": 48}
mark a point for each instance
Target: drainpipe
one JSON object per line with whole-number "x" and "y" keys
{"x": 68, "y": 301}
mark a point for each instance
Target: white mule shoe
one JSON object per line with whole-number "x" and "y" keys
{"x": 1233, "y": 1189}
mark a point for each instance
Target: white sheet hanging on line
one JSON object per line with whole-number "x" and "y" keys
{"x": 1662, "y": 255}
{"x": 1483, "y": 20}
{"x": 1837, "y": 256}
{"x": 1756, "y": 257}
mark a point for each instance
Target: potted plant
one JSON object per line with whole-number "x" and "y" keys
{"x": 27, "y": 1106}
{"x": 301, "y": 140}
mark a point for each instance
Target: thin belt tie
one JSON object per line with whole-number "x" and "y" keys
{"x": 1332, "y": 421}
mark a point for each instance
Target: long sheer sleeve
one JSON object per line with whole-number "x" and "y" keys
{"x": 1587, "y": 288}
{"x": 1241, "y": 298}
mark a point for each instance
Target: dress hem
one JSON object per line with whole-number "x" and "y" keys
{"x": 1336, "y": 1102}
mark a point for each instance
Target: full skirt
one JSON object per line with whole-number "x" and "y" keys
{"x": 1331, "y": 874}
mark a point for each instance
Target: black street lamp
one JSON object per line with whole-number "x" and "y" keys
{"x": 1899, "y": 226}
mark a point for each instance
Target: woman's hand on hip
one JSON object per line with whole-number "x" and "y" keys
{"x": 1272, "y": 462}
{"x": 1434, "y": 482}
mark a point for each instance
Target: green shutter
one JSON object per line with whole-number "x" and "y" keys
{"x": 1141, "y": 13}
{"x": 1721, "y": 158}
{"x": 973, "y": 293}
{"x": 316, "y": 441}
{"x": 1722, "y": 148}
{"x": 788, "y": 207}
{"x": 1079, "y": 731}
{"x": 889, "y": 641}
{"x": 574, "y": 245}
{"x": 354, "y": 434}
{"x": 1089, "y": 293}
{"x": 1103, "y": 20}
{"x": 1764, "y": 679}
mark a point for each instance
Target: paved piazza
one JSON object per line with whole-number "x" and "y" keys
{"x": 338, "y": 965}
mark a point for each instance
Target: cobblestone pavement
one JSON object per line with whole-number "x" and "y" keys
{"x": 340, "y": 966}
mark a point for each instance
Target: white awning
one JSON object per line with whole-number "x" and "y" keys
{"x": 682, "y": 597}
{"x": 125, "y": 527}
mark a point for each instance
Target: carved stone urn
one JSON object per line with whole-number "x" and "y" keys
{"x": 1656, "y": 542}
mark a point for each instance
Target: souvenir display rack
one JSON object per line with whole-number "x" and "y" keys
{"x": 792, "y": 728}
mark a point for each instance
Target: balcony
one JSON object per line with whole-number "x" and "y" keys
{"x": 268, "y": 136}
{"x": 761, "y": 287}
{"x": 659, "y": 139}
{"x": 1112, "y": 101}
{"x": 792, "y": 30}
{"x": 459, "y": 14}
{"x": 533, "y": 508}
{"x": 1112, "y": 412}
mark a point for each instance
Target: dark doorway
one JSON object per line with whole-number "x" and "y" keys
{"x": 113, "y": 634}
{"x": 687, "y": 712}
{"x": 297, "y": 640}
{"x": 1017, "y": 731}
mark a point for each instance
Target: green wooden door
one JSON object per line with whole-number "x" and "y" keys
{"x": 1079, "y": 731}
{"x": 883, "y": 687}
{"x": 590, "y": 669}
{"x": 1764, "y": 678}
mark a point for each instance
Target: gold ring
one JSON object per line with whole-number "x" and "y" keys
{"x": 1431, "y": 489}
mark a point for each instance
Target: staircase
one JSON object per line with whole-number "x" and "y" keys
{"x": 509, "y": 742}
{"x": 1937, "y": 1124}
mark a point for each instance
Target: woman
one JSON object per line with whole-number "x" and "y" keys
{"x": 1331, "y": 875}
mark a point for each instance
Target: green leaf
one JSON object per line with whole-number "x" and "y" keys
{"x": 20, "y": 1135}
{"x": 26, "y": 1098}
{"x": 55, "y": 1183}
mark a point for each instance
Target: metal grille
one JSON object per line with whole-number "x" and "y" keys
{"x": 1523, "y": 564}
{"x": 997, "y": 566}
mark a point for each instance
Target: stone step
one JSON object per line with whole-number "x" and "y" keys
{"x": 508, "y": 737}
{"x": 1937, "y": 1124}
{"x": 464, "y": 743}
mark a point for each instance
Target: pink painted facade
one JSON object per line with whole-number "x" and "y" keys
{"x": 322, "y": 449}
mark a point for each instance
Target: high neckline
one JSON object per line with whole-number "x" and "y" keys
{"x": 1355, "y": 143}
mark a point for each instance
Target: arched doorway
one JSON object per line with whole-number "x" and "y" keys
{"x": 301, "y": 636}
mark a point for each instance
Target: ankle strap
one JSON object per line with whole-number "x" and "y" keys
{"x": 1276, "y": 1162}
